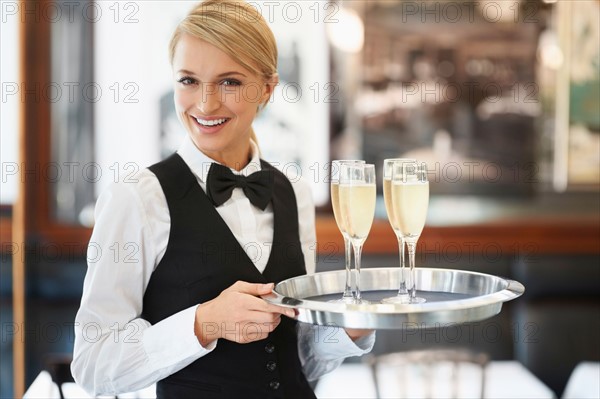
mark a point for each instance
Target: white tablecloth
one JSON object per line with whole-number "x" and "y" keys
{"x": 504, "y": 379}
{"x": 584, "y": 382}
{"x": 44, "y": 388}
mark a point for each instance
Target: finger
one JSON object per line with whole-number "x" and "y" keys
{"x": 262, "y": 318}
{"x": 272, "y": 326}
{"x": 263, "y": 306}
{"x": 254, "y": 289}
{"x": 254, "y": 331}
{"x": 272, "y": 323}
{"x": 264, "y": 326}
{"x": 253, "y": 338}
{"x": 355, "y": 334}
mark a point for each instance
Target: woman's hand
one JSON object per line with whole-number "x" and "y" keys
{"x": 355, "y": 334}
{"x": 238, "y": 315}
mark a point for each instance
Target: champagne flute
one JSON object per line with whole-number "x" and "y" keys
{"x": 410, "y": 199}
{"x": 347, "y": 297}
{"x": 388, "y": 164}
{"x": 357, "y": 207}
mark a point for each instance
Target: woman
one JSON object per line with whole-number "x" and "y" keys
{"x": 200, "y": 243}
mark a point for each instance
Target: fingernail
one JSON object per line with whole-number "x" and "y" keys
{"x": 270, "y": 285}
{"x": 290, "y": 313}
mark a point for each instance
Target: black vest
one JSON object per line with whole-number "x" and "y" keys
{"x": 202, "y": 259}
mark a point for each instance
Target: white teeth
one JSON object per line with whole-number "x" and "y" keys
{"x": 210, "y": 123}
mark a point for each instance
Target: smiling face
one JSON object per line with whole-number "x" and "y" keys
{"x": 216, "y": 99}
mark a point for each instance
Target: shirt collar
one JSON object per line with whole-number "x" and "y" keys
{"x": 199, "y": 163}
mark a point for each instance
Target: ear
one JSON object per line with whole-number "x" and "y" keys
{"x": 269, "y": 88}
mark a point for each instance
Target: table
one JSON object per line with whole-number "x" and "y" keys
{"x": 584, "y": 382}
{"x": 503, "y": 379}
{"x": 44, "y": 388}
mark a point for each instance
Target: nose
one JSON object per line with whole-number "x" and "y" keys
{"x": 209, "y": 100}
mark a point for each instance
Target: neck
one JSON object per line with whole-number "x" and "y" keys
{"x": 236, "y": 160}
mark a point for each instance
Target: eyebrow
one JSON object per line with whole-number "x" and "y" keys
{"x": 185, "y": 71}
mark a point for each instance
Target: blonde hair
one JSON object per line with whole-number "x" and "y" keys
{"x": 237, "y": 29}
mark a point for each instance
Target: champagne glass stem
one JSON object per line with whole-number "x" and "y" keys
{"x": 348, "y": 259}
{"x": 412, "y": 245}
{"x": 357, "y": 259}
{"x": 402, "y": 289}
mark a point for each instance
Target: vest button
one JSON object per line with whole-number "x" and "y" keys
{"x": 269, "y": 348}
{"x": 271, "y": 365}
{"x": 274, "y": 385}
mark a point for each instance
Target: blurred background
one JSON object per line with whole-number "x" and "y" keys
{"x": 500, "y": 98}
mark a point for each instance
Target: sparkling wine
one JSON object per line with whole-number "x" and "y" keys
{"x": 357, "y": 206}
{"x": 410, "y": 202}
{"x": 387, "y": 196}
{"x": 335, "y": 202}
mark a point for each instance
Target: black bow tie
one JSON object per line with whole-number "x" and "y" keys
{"x": 221, "y": 181}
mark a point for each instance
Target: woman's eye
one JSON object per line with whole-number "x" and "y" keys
{"x": 186, "y": 81}
{"x": 231, "y": 82}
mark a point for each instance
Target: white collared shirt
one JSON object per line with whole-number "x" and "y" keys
{"x": 115, "y": 349}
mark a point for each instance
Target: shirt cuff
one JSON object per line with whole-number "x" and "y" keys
{"x": 172, "y": 340}
{"x": 336, "y": 344}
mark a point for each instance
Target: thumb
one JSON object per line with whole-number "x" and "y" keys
{"x": 252, "y": 288}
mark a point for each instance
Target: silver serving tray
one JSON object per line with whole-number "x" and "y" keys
{"x": 453, "y": 296}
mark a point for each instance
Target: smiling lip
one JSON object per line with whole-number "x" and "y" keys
{"x": 210, "y": 125}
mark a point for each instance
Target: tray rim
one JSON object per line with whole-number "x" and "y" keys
{"x": 513, "y": 290}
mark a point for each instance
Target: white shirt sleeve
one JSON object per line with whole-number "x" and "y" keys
{"x": 115, "y": 349}
{"x": 321, "y": 348}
